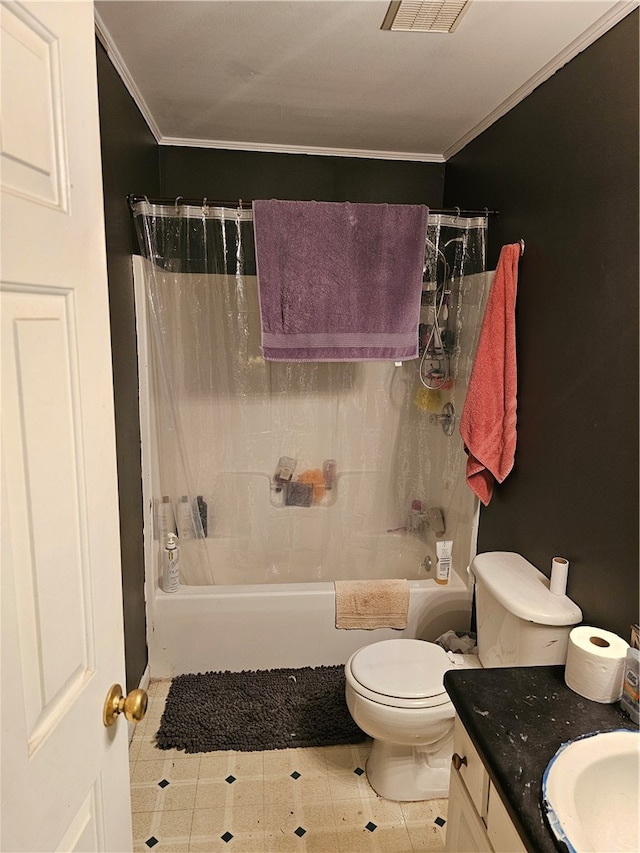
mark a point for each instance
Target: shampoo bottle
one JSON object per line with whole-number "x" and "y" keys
{"x": 166, "y": 518}
{"x": 184, "y": 519}
{"x": 201, "y": 509}
{"x": 171, "y": 565}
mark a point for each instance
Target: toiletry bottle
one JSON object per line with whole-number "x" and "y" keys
{"x": 629, "y": 699}
{"x": 443, "y": 567}
{"x": 436, "y": 521}
{"x": 171, "y": 565}
{"x": 284, "y": 469}
{"x": 166, "y": 518}
{"x": 277, "y": 493}
{"x": 417, "y": 517}
{"x": 201, "y": 507}
{"x": 184, "y": 519}
{"x": 329, "y": 473}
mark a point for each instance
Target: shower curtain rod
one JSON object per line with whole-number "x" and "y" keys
{"x": 242, "y": 204}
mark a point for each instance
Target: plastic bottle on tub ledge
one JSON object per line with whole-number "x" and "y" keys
{"x": 443, "y": 566}
{"x": 170, "y": 576}
{"x": 201, "y": 511}
{"x": 165, "y": 518}
{"x": 184, "y": 519}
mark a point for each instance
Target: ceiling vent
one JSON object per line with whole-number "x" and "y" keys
{"x": 429, "y": 16}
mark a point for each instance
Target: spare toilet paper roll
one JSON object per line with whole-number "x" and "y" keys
{"x": 595, "y": 663}
{"x": 559, "y": 573}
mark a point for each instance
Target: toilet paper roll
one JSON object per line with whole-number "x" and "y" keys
{"x": 559, "y": 573}
{"x": 595, "y": 664}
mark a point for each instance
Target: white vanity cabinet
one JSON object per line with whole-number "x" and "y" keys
{"x": 477, "y": 821}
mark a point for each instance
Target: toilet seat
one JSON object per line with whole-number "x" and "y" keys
{"x": 400, "y": 673}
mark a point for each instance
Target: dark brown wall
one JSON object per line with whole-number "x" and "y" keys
{"x": 562, "y": 167}
{"x": 129, "y": 165}
{"x": 231, "y": 175}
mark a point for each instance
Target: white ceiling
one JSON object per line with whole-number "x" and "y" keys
{"x": 322, "y": 77}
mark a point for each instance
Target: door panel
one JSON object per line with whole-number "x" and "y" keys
{"x": 47, "y": 528}
{"x": 65, "y": 781}
{"x": 33, "y": 156}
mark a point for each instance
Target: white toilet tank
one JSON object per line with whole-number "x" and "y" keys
{"x": 519, "y": 621}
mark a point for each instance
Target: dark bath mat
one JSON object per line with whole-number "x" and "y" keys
{"x": 254, "y": 711}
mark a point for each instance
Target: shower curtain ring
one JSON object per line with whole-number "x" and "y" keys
{"x": 457, "y": 210}
{"x": 176, "y": 202}
{"x": 205, "y": 205}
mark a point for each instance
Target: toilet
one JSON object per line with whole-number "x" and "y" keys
{"x": 394, "y": 688}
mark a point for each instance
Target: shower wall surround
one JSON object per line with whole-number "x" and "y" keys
{"x": 223, "y": 419}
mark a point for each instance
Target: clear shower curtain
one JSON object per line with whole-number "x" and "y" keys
{"x": 366, "y": 440}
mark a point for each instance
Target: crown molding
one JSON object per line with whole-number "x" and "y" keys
{"x": 588, "y": 37}
{"x": 599, "y": 28}
{"x": 275, "y": 148}
{"x": 123, "y": 72}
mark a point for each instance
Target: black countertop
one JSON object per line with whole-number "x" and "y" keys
{"x": 517, "y": 718}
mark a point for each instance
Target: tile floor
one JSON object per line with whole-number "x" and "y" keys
{"x": 257, "y": 802}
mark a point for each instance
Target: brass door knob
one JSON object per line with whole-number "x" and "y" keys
{"x": 134, "y": 705}
{"x": 457, "y": 761}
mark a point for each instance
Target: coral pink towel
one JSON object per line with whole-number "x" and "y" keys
{"x": 488, "y": 422}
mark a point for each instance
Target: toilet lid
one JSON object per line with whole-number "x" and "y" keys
{"x": 407, "y": 669}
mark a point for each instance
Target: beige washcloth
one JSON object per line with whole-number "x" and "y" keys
{"x": 372, "y": 604}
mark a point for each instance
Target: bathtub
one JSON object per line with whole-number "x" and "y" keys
{"x": 266, "y": 626}
{"x": 235, "y": 628}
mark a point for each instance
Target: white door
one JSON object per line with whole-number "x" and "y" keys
{"x": 65, "y": 783}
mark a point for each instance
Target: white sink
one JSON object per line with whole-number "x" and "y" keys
{"x": 590, "y": 793}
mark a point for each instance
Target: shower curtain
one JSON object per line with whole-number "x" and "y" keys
{"x": 369, "y": 442}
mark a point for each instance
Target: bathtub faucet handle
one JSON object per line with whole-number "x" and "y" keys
{"x": 446, "y": 419}
{"x": 427, "y": 564}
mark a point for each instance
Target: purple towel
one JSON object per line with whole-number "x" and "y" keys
{"x": 339, "y": 282}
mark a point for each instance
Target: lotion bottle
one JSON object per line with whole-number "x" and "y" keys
{"x": 443, "y": 567}
{"x": 171, "y": 565}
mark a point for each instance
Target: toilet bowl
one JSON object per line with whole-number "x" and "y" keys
{"x": 395, "y": 693}
{"x": 394, "y": 688}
